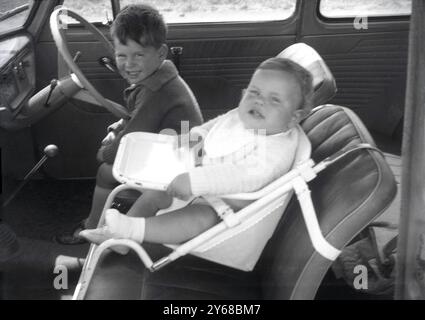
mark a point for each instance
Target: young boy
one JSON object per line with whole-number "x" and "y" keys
{"x": 158, "y": 98}
{"x": 277, "y": 98}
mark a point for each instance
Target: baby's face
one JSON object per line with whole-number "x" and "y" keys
{"x": 136, "y": 62}
{"x": 270, "y": 102}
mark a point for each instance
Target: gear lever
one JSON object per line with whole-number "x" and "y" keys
{"x": 49, "y": 152}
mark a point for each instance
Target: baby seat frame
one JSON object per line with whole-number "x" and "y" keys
{"x": 296, "y": 180}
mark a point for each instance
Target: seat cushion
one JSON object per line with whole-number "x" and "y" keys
{"x": 124, "y": 277}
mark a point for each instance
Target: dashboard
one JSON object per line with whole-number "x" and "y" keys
{"x": 17, "y": 77}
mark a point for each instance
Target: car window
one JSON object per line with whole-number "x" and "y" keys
{"x": 14, "y": 13}
{"x": 201, "y": 11}
{"x": 364, "y": 8}
{"x": 91, "y": 10}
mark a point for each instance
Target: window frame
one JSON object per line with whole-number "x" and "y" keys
{"x": 23, "y": 27}
{"x": 97, "y": 24}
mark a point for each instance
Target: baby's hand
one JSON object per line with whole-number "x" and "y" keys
{"x": 110, "y": 137}
{"x": 180, "y": 187}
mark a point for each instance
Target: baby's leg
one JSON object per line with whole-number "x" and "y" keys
{"x": 149, "y": 203}
{"x": 172, "y": 227}
{"x": 180, "y": 225}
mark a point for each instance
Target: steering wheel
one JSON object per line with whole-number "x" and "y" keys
{"x": 57, "y": 29}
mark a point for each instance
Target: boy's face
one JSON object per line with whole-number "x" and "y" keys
{"x": 271, "y": 102}
{"x": 136, "y": 62}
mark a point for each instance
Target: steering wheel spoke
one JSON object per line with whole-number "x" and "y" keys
{"x": 85, "y": 96}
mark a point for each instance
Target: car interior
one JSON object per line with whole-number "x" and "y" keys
{"x": 51, "y": 128}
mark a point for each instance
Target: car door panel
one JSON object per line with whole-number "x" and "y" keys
{"x": 366, "y": 73}
{"x": 218, "y": 70}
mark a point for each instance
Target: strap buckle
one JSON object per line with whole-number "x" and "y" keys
{"x": 223, "y": 210}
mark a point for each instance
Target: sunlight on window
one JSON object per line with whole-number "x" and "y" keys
{"x": 190, "y": 11}
{"x": 370, "y": 8}
{"x": 91, "y": 10}
{"x": 14, "y": 13}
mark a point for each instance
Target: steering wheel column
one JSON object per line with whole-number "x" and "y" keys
{"x": 45, "y": 102}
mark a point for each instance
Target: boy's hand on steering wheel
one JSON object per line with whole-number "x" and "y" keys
{"x": 180, "y": 187}
{"x": 110, "y": 137}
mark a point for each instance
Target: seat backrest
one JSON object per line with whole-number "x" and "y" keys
{"x": 347, "y": 196}
{"x": 323, "y": 80}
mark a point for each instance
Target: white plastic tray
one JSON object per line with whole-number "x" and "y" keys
{"x": 149, "y": 160}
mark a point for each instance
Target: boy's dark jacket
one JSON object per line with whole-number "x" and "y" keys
{"x": 158, "y": 102}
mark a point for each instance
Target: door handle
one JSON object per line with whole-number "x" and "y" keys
{"x": 176, "y": 52}
{"x": 108, "y": 63}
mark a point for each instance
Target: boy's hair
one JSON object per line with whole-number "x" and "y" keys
{"x": 302, "y": 76}
{"x": 141, "y": 23}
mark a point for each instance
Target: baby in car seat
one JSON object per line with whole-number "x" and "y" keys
{"x": 243, "y": 150}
